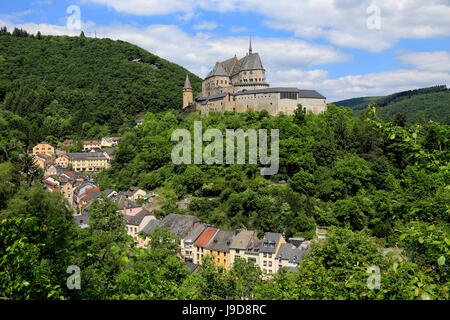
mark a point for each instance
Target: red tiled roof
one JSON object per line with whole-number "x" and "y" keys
{"x": 92, "y": 142}
{"x": 205, "y": 237}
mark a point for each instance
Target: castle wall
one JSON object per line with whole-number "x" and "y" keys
{"x": 262, "y": 101}
{"x": 315, "y": 105}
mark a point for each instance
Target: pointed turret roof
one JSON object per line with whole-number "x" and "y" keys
{"x": 187, "y": 83}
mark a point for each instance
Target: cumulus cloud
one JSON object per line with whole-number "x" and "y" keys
{"x": 342, "y": 22}
{"x": 371, "y": 84}
{"x": 432, "y": 61}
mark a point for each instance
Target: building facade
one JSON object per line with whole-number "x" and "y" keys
{"x": 88, "y": 161}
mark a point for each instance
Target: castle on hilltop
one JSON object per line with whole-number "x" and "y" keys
{"x": 240, "y": 84}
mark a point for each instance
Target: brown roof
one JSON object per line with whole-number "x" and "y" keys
{"x": 91, "y": 142}
{"x": 221, "y": 241}
{"x": 205, "y": 237}
{"x": 243, "y": 239}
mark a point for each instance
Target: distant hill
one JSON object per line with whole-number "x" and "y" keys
{"x": 434, "y": 102}
{"x": 77, "y": 85}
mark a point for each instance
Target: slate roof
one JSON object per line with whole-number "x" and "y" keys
{"x": 205, "y": 237}
{"x": 243, "y": 240}
{"x": 296, "y": 256}
{"x": 270, "y": 242}
{"x": 151, "y": 226}
{"x": 221, "y": 241}
{"x": 179, "y": 224}
{"x": 254, "y": 246}
{"x": 82, "y": 220}
{"x": 87, "y": 156}
{"x": 251, "y": 62}
{"x": 302, "y": 93}
{"x": 136, "y": 219}
{"x": 285, "y": 251}
{"x": 193, "y": 235}
{"x": 192, "y": 266}
{"x": 187, "y": 83}
{"x": 296, "y": 241}
{"x": 218, "y": 70}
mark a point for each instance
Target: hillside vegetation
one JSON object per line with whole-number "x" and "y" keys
{"x": 68, "y": 86}
{"x": 431, "y": 103}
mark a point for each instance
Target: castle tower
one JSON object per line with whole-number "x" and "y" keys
{"x": 188, "y": 95}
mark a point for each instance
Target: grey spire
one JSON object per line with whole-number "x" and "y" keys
{"x": 250, "y": 47}
{"x": 187, "y": 83}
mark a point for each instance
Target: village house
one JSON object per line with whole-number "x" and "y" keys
{"x": 288, "y": 256}
{"x": 109, "y": 142}
{"x": 187, "y": 250}
{"x": 252, "y": 252}
{"x": 53, "y": 170}
{"x": 110, "y": 154}
{"x": 81, "y": 191}
{"x": 269, "y": 250}
{"x": 88, "y": 161}
{"x": 179, "y": 225}
{"x": 41, "y": 160}
{"x": 219, "y": 247}
{"x": 86, "y": 201}
{"x": 240, "y": 244}
{"x": 135, "y": 221}
{"x": 92, "y": 144}
{"x": 43, "y": 147}
{"x": 66, "y": 189}
{"x": 200, "y": 244}
{"x": 62, "y": 160}
{"x": 135, "y": 193}
{"x": 68, "y": 142}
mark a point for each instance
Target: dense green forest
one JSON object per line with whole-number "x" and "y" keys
{"x": 69, "y": 87}
{"x": 374, "y": 183}
{"x": 335, "y": 170}
{"x": 431, "y": 103}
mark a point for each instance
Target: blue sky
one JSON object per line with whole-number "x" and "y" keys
{"x": 341, "y": 48}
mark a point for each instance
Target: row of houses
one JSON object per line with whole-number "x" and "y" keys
{"x": 47, "y": 157}
{"x": 197, "y": 239}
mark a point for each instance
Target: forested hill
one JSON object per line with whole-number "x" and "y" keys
{"x": 434, "y": 102}
{"x": 84, "y": 86}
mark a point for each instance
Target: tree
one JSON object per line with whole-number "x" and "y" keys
{"x": 299, "y": 114}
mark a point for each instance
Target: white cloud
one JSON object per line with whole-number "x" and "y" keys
{"x": 206, "y": 25}
{"x": 371, "y": 84}
{"x": 432, "y": 61}
{"x": 342, "y": 22}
